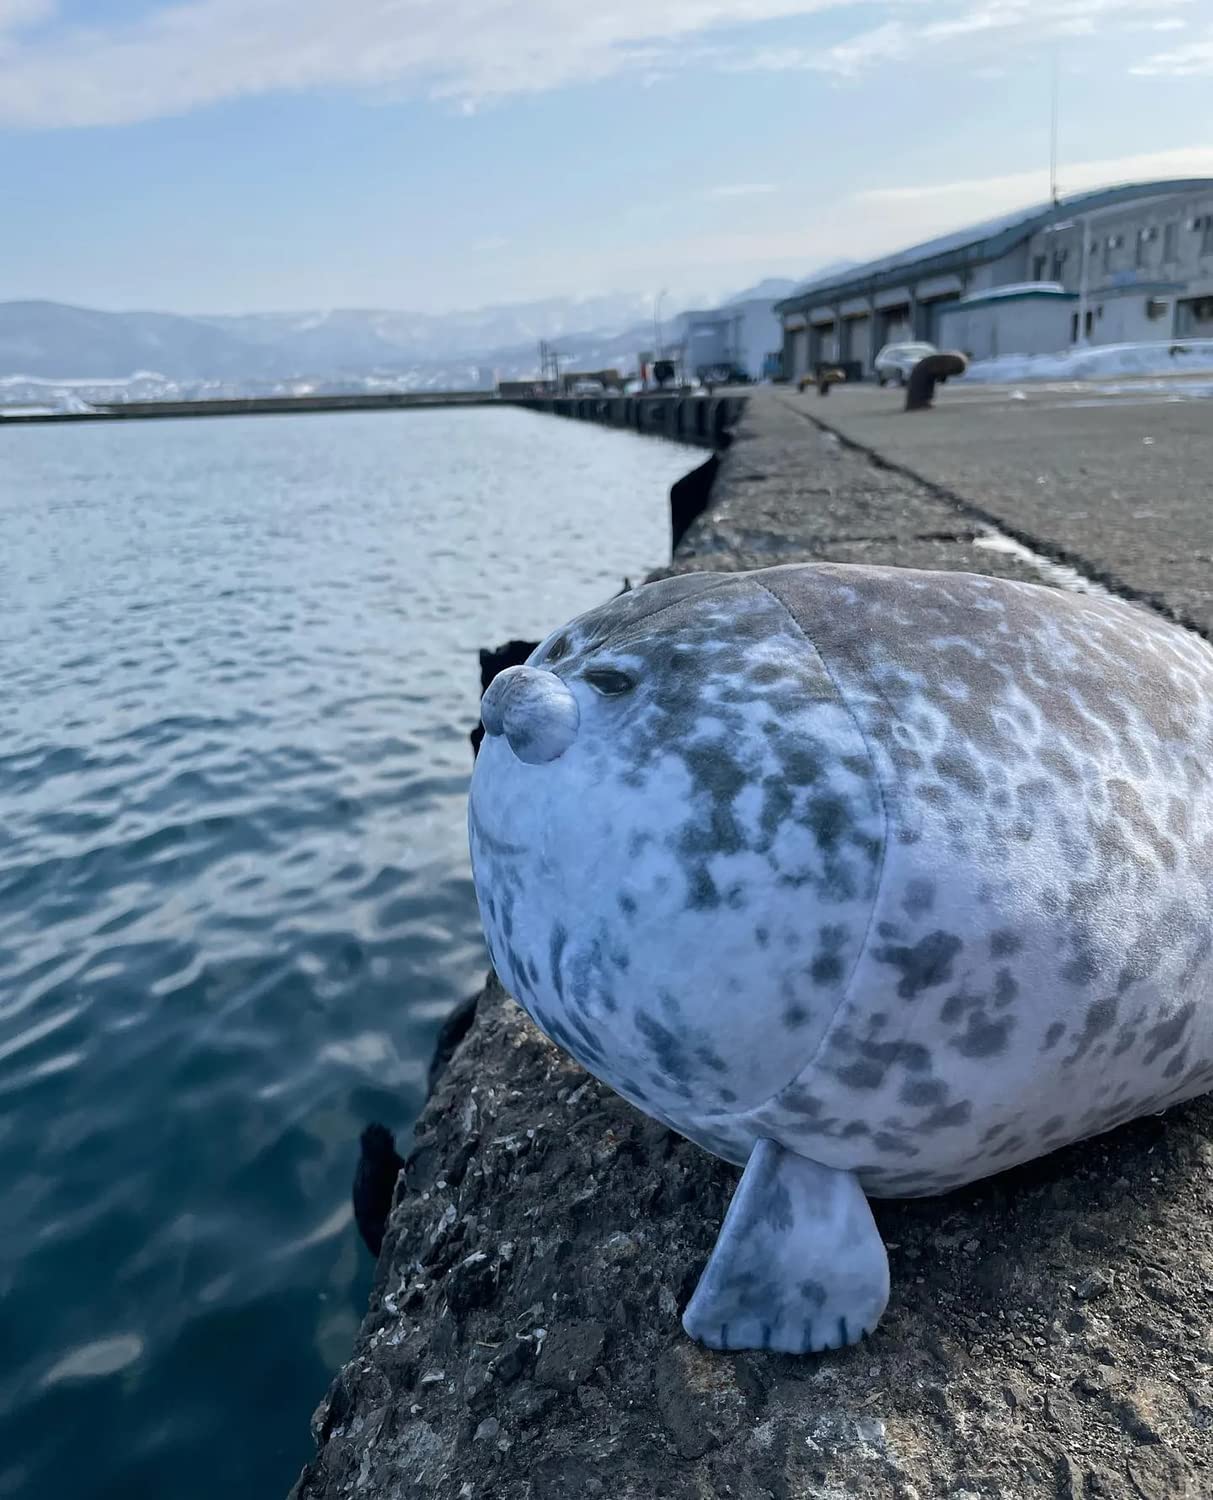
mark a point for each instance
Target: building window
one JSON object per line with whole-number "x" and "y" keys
{"x": 1059, "y": 264}
{"x": 1144, "y": 236}
{"x": 1170, "y": 243}
{"x": 1039, "y": 263}
{"x": 1206, "y": 234}
{"x": 1157, "y": 307}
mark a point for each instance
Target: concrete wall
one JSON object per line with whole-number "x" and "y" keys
{"x": 1153, "y": 240}
{"x": 1005, "y": 271}
{"x": 1126, "y": 319}
{"x": 761, "y": 334}
{"x": 745, "y": 332}
{"x": 708, "y": 340}
{"x": 1008, "y": 325}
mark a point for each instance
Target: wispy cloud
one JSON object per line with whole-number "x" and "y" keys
{"x": 741, "y": 190}
{"x": 14, "y": 13}
{"x": 180, "y": 56}
{"x": 1181, "y": 62}
{"x": 974, "y": 196}
{"x": 1013, "y": 23}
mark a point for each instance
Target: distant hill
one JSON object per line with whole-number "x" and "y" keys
{"x": 49, "y": 340}
{"x": 768, "y": 290}
{"x": 773, "y": 288}
{"x": 53, "y": 341}
{"x": 48, "y": 346}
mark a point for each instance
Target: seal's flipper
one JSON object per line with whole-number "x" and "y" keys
{"x": 798, "y": 1265}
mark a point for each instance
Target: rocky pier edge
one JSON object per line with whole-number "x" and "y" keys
{"x": 1050, "y": 1332}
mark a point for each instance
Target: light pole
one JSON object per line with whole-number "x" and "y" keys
{"x": 1084, "y": 282}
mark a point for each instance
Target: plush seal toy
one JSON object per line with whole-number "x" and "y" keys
{"x": 874, "y": 881}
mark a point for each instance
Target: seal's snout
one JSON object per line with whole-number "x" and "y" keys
{"x": 534, "y": 710}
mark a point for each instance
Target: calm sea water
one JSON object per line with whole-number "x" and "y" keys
{"x": 237, "y": 673}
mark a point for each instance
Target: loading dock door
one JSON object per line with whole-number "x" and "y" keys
{"x": 933, "y": 310}
{"x": 798, "y": 353}
{"x": 856, "y": 333}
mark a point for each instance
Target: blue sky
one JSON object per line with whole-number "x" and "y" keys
{"x": 245, "y": 155}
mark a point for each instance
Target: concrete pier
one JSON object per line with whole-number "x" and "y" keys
{"x": 1050, "y": 1335}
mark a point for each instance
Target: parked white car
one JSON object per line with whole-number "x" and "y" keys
{"x": 895, "y": 361}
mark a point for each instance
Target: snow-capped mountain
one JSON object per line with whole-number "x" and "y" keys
{"x": 108, "y": 355}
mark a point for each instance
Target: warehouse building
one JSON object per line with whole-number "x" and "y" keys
{"x": 1117, "y": 265}
{"x": 736, "y": 337}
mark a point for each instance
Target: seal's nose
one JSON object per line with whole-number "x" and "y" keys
{"x": 534, "y": 710}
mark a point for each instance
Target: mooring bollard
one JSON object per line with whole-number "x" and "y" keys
{"x": 920, "y": 388}
{"x": 827, "y": 376}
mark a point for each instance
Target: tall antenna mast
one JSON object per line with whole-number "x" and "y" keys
{"x": 1053, "y": 138}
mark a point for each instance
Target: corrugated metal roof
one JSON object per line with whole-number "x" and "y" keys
{"x": 977, "y": 242}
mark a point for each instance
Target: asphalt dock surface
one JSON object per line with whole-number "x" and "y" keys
{"x": 1050, "y": 1333}
{"x": 1115, "y": 477}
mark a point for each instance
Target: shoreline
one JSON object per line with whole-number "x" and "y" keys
{"x": 1050, "y": 1332}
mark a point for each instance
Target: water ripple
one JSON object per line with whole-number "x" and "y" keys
{"x": 237, "y": 671}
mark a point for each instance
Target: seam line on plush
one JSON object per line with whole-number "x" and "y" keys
{"x": 884, "y": 847}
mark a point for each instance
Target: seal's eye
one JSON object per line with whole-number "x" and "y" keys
{"x": 608, "y": 682}
{"x": 557, "y": 650}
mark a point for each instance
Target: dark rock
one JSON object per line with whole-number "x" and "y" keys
{"x": 570, "y": 1355}
{"x": 379, "y": 1165}
{"x": 1068, "y": 1477}
{"x": 1097, "y": 1284}
{"x": 1133, "y": 1420}
{"x": 512, "y": 1361}
{"x": 471, "y": 1283}
{"x": 1163, "y": 1476}
{"x": 530, "y": 1402}
{"x": 478, "y": 1387}
{"x": 454, "y": 1029}
{"x": 512, "y": 654}
{"x": 689, "y": 497}
{"x": 699, "y": 1398}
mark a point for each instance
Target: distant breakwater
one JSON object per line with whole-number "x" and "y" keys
{"x": 701, "y": 420}
{"x": 255, "y": 406}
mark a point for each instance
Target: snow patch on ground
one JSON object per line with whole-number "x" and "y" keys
{"x": 1104, "y": 362}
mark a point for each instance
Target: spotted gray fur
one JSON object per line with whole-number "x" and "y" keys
{"x": 894, "y": 868}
